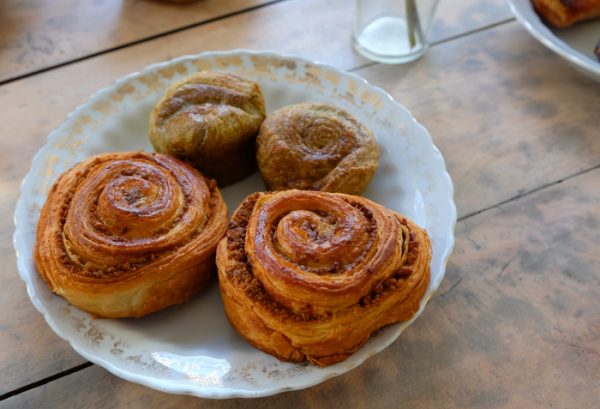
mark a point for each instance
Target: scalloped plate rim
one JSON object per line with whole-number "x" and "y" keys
{"x": 223, "y": 392}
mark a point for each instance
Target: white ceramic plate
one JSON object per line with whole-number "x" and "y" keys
{"x": 575, "y": 44}
{"x": 191, "y": 348}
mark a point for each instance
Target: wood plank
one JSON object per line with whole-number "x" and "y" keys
{"x": 33, "y": 107}
{"x": 455, "y": 18}
{"x": 37, "y": 34}
{"x": 508, "y": 114}
{"x": 516, "y": 323}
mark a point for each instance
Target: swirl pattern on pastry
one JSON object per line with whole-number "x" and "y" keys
{"x": 210, "y": 120}
{"x": 126, "y": 234}
{"x": 311, "y": 275}
{"x": 316, "y": 147}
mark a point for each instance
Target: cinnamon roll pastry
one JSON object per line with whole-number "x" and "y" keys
{"x": 562, "y": 13}
{"x": 309, "y": 276}
{"x": 210, "y": 120}
{"x": 316, "y": 147}
{"x": 126, "y": 234}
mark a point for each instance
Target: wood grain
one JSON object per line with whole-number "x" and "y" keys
{"x": 508, "y": 114}
{"x": 516, "y": 323}
{"x": 36, "y": 34}
{"x": 35, "y": 117}
{"x": 455, "y": 18}
{"x": 446, "y": 79}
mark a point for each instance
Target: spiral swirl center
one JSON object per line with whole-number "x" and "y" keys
{"x": 125, "y": 209}
{"x": 323, "y": 138}
{"x": 128, "y": 195}
{"x": 328, "y": 250}
{"x": 321, "y": 241}
{"x": 138, "y": 203}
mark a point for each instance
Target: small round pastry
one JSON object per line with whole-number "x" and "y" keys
{"x": 316, "y": 147}
{"x": 126, "y": 234}
{"x": 210, "y": 120}
{"x": 309, "y": 276}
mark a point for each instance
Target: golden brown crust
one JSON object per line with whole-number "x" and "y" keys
{"x": 564, "y": 13}
{"x": 316, "y": 147}
{"x": 210, "y": 120}
{"x": 311, "y": 275}
{"x": 126, "y": 234}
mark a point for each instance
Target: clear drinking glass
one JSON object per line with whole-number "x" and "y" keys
{"x": 393, "y": 31}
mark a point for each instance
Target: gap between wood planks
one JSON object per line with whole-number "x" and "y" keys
{"x": 444, "y": 40}
{"x": 527, "y": 193}
{"x": 85, "y": 365}
{"x": 46, "y": 380}
{"x": 136, "y": 42}
{"x": 211, "y": 20}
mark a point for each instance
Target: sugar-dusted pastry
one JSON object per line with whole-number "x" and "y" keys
{"x": 309, "y": 276}
{"x": 210, "y": 120}
{"x": 561, "y": 13}
{"x": 316, "y": 147}
{"x": 126, "y": 234}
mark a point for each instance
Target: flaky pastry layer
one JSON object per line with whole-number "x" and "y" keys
{"x": 210, "y": 120}
{"x": 126, "y": 234}
{"x": 309, "y": 276}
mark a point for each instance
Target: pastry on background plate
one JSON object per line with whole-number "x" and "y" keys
{"x": 316, "y": 146}
{"x": 210, "y": 120}
{"x": 309, "y": 276}
{"x": 126, "y": 234}
{"x": 562, "y": 14}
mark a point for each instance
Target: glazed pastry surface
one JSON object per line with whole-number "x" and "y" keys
{"x": 561, "y": 13}
{"x": 316, "y": 147}
{"x": 126, "y": 234}
{"x": 309, "y": 276}
{"x": 210, "y": 120}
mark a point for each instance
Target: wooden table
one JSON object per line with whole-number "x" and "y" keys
{"x": 516, "y": 322}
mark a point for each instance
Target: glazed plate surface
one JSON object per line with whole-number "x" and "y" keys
{"x": 191, "y": 348}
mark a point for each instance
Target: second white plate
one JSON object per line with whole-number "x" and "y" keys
{"x": 575, "y": 44}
